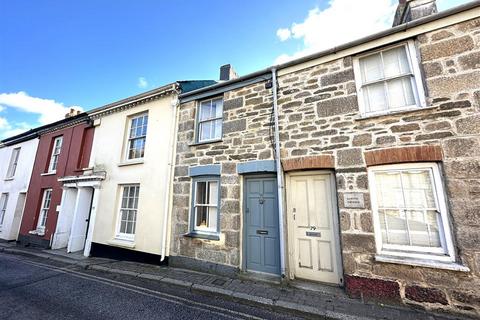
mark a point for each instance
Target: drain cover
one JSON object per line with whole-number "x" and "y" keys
{"x": 219, "y": 282}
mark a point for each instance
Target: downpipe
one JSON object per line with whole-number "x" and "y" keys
{"x": 280, "y": 182}
{"x": 169, "y": 177}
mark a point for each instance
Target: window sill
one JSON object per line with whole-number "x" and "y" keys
{"x": 422, "y": 263}
{"x": 37, "y": 232}
{"x": 131, "y": 162}
{"x": 8, "y": 179}
{"x": 204, "y": 142}
{"x": 392, "y": 113}
{"x": 48, "y": 173}
{"x": 119, "y": 242}
{"x": 215, "y": 237}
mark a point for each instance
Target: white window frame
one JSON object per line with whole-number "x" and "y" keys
{"x": 193, "y": 210}
{"x": 43, "y": 215}
{"x": 417, "y": 83}
{"x": 129, "y": 139}
{"x": 197, "y": 131}
{"x": 122, "y": 235}
{"x": 12, "y": 167}
{"x": 54, "y": 157}
{"x": 447, "y": 253}
{"x": 3, "y": 207}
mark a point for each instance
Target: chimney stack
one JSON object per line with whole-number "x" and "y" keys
{"x": 227, "y": 73}
{"x": 72, "y": 113}
{"x": 409, "y": 10}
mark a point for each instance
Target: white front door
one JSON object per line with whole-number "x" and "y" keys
{"x": 313, "y": 227}
{"x": 78, "y": 233}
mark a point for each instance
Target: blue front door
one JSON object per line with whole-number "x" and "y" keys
{"x": 262, "y": 243}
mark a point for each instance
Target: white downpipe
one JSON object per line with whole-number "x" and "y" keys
{"x": 280, "y": 184}
{"x": 169, "y": 177}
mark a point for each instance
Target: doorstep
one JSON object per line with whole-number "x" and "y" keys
{"x": 309, "y": 302}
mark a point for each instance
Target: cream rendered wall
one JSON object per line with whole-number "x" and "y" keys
{"x": 108, "y": 155}
{"x": 16, "y": 185}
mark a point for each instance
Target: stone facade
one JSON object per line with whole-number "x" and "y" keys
{"x": 319, "y": 116}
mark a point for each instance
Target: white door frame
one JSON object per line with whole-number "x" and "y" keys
{"x": 335, "y": 212}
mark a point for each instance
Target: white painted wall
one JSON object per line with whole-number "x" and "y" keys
{"x": 108, "y": 152}
{"x": 19, "y": 184}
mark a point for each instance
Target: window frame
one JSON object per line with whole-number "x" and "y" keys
{"x": 3, "y": 207}
{"x": 445, "y": 232}
{"x": 416, "y": 74}
{"x": 198, "y": 121}
{"x": 54, "y": 155}
{"x": 12, "y": 167}
{"x": 194, "y": 231}
{"x": 122, "y": 235}
{"x": 128, "y": 139}
{"x": 43, "y": 214}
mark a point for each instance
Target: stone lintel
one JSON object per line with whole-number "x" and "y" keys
{"x": 403, "y": 154}
{"x": 311, "y": 162}
{"x": 256, "y": 166}
{"x": 208, "y": 170}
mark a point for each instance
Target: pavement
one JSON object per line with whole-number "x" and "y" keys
{"x": 250, "y": 296}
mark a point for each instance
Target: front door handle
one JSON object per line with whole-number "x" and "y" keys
{"x": 262, "y": 231}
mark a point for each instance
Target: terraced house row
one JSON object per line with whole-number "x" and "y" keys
{"x": 357, "y": 167}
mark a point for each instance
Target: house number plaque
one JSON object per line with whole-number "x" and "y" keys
{"x": 353, "y": 200}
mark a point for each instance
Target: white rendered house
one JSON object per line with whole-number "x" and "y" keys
{"x": 17, "y": 155}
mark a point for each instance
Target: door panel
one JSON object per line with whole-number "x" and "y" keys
{"x": 311, "y": 228}
{"x": 262, "y": 249}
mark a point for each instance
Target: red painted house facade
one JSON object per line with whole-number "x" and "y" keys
{"x": 63, "y": 150}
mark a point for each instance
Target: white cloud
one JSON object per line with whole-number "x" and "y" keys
{"x": 283, "y": 34}
{"x": 340, "y": 22}
{"x": 4, "y": 123}
{"x": 9, "y": 130}
{"x": 142, "y": 82}
{"x": 48, "y": 110}
{"x": 13, "y": 130}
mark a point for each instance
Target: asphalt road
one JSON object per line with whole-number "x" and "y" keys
{"x": 35, "y": 288}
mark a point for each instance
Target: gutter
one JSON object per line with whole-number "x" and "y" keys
{"x": 280, "y": 182}
{"x": 400, "y": 28}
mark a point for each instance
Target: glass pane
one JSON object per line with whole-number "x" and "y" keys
{"x": 133, "y": 226}
{"x": 371, "y": 68}
{"x": 400, "y": 92}
{"x": 131, "y": 192}
{"x": 202, "y": 213}
{"x": 433, "y": 221}
{"x": 374, "y": 96}
{"x": 213, "y": 194}
{"x": 394, "y": 227}
{"x": 418, "y": 189}
{"x": 201, "y": 196}
{"x": 395, "y": 62}
{"x": 217, "y": 130}
{"x": 389, "y": 190}
{"x": 205, "y": 130}
{"x": 129, "y": 228}
{"x": 123, "y": 226}
{"x": 124, "y": 215}
{"x": 205, "y": 110}
{"x": 212, "y": 218}
{"x": 217, "y": 106}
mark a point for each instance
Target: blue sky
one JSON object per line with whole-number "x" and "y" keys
{"x": 58, "y": 54}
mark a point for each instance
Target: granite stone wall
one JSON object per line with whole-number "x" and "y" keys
{"x": 320, "y": 121}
